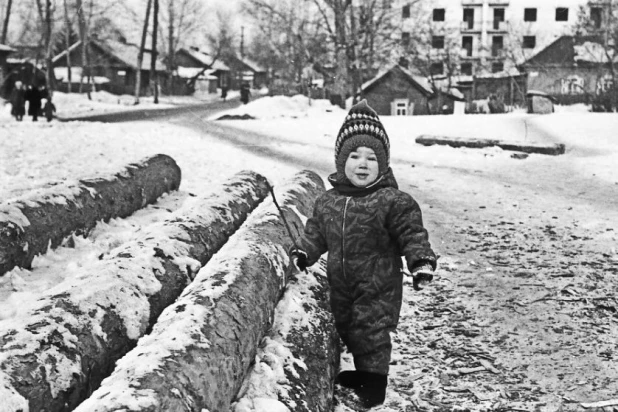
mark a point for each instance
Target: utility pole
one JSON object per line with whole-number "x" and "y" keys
{"x": 7, "y": 16}
{"x": 153, "y": 53}
{"x": 140, "y": 55}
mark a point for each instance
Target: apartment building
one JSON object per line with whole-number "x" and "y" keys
{"x": 490, "y": 36}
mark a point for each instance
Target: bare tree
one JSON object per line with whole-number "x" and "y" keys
{"x": 140, "y": 55}
{"x": 67, "y": 23}
{"x": 601, "y": 29}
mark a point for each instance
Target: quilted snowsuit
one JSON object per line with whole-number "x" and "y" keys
{"x": 366, "y": 231}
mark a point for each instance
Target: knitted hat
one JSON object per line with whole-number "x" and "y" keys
{"x": 361, "y": 127}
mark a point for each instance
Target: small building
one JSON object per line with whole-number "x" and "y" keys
{"x": 571, "y": 69}
{"x": 4, "y": 68}
{"x": 113, "y": 67}
{"x": 22, "y": 63}
{"x": 244, "y": 70}
{"x": 209, "y": 66}
{"x": 540, "y": 102}
{"x": 398, "y": 92}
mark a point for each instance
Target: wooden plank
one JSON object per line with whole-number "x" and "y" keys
{"x": 475, "y": 143}
{"x": 53, "y": 358}
{"x": 32, "y": 223}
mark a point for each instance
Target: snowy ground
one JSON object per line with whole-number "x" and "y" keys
{"x": 528, "y": 245}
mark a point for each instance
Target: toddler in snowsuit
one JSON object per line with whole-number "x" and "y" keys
{"x": 49, "y": 109}
{"x": 366, "y": 224}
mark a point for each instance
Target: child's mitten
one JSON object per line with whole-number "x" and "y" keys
{"x": 299, "y": 258}
{"x": 421, "y": 275}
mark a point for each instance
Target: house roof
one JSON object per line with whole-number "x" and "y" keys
{"x": 419, "y": 82}
{"x": 568, "y": 50}
{"x": 6, "y": 49}
{"x": 124, "y": 54}
{"x": 205, "y": 59}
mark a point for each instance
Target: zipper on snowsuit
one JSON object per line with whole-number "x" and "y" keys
{"x": 345, "y": 209}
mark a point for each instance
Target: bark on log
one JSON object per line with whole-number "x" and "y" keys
{"x": 526, "y": 147}
{"x": 56, "y": 356}
{"x": 32, "y": 223}
{"x": 296, "y": 364}
{"x": 201, "y": 347}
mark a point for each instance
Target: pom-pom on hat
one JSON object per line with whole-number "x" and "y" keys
{"x": 361, "y": 127}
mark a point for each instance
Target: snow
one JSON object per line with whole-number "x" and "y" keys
{"x": 36, "y": 156}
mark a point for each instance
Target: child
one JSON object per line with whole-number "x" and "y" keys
{"x": 365, "y": 224}
{"x": 49, "y": 109}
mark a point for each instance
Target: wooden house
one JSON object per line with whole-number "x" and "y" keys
{"x": 243, "y": 70}
{"x": 112, "y": 65}
{"x": 571, "y": 69}
{"x": 397, "y": 91}
{"x": 4, "y": 69}
{"x": 194, "y": 58}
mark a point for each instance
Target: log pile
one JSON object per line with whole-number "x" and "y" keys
{"x": 70, "y": 342}
{"x": 31, "y": 224}
{"x": 202, "y": 346}
{"x": 297, "y": 362}
{"x": 475, "y": 143}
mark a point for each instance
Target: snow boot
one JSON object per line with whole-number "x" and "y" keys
{"x": 350, "y": 379}
{"x": 372, "y": 391}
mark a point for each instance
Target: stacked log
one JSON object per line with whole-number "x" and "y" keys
{"x": 62, "y": 350}
{"x": 296, "y": 363}
{"x": 202, "y": 346}
{"x": 42, "y": 219}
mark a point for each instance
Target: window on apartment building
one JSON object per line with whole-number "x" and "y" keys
{"x": 562, "y": 14}
{"x": 405, "y": 39}
{"x": 468, "y": 17}
{"x": 497, "y": 44}
{"x": 466, "y": 44}
{"x": 466, "y": 69}
{"x": 497, "y": 67}
{"x": 438, "y": 14}
{"x": 436, "y": 68}
{"x": 596, "y": 17}
{"x": 529, "y": 42}
{"x": 437, "y": 42}
{"x": 529, "y": 14}
{"x": 498, "y": 17}
{"x": 405, "y": 11}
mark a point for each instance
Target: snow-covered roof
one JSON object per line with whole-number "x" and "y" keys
{"x": 206, "y": 59}
{"x": 594, "y": 52}
{"x": 420, "y": 81}
{"x": 5, "y": 48}
{"x": 62, "y": 75}
{"x": 124, "y": 52}
{"x": 190, "y": 72}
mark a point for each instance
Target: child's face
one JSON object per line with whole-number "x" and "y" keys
{"x": 362, "y": 167}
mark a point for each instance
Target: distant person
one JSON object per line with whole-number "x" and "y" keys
{"x": 34, "y": 97}
{"x": 224, "y": 93}
{"x": 245, "y": 92}
{"x": 18, "y": 101}
{"x": 49, "y": 109}
{"x": 366, "y": 224}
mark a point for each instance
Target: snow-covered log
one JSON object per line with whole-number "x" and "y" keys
{"x": 62, "y": 350}
{"x": 202, "y": 346}
{"x": 297, "y": 361}
{"x": 30, "y": 224}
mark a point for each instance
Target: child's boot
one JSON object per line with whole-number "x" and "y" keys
{"x": 350, "y": 379}
{"x": 372, "y": 392}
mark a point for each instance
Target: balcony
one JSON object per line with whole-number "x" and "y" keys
{"x": 497, "y": 26}
{"x": 471, "y": 53}
{"x": 471, "y": 26}
{"x": 498, "y": 2}
{"x": 471, "y": 2}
